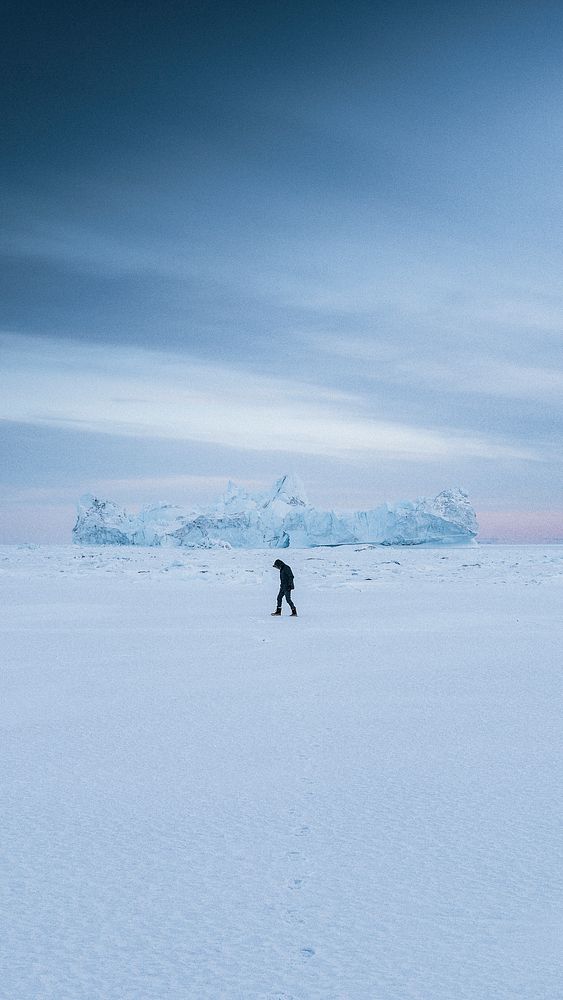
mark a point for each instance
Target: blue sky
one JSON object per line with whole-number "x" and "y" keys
{"x": 241, "y": 240}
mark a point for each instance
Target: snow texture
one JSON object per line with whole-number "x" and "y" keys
{"x": 277, "y": 519}
{"x": 201, "y": 801}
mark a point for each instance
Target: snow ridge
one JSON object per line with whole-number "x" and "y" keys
{"x": 281, "y": 518}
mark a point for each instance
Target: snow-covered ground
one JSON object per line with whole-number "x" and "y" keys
{"x": 201, "y": 801}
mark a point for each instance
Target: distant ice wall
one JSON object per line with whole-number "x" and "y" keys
{"x": 278, "y": 519}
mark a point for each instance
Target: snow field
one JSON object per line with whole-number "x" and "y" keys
{"x": 201, "y": 801}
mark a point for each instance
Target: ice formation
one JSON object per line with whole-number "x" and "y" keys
{"x": 278, "y": 519}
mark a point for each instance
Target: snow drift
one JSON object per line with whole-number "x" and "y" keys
{"x": 278, "y": 519}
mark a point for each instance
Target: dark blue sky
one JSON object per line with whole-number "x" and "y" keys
{"x": 243, "y": 239}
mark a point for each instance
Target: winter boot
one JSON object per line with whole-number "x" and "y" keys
{"x": 276, "y": 612}
{"x": 293, "y": 612}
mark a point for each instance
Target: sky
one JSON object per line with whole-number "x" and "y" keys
{"x": 241, "y": 240}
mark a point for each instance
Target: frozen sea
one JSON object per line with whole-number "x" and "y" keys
{"x": 201, "y": 802}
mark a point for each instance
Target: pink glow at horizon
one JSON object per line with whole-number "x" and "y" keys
{"x": 520, "y": 526}
{"x": 20, "y": 523}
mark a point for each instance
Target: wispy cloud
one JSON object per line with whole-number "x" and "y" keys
{"x": 332, "y": 268}
{"x": 119, "y": 390}
{"x": 460, "y": 373}
{"x": 83, "y": 249}
{"x": 140, "y": 487}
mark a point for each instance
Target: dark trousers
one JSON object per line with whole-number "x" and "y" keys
{"x": 285, "y": 592}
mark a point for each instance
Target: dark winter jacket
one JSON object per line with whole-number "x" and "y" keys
{"x": 286, "y": 575}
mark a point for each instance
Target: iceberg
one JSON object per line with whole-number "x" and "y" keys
{"x": 281, "y": 518}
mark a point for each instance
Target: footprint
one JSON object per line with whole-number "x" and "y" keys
{"x": 296, "y": 883}
{"x": 307, "y": 952}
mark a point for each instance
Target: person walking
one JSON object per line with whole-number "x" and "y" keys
{"x": 286, "y": 586}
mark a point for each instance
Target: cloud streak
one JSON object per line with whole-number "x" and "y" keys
{"x": 460, "y": 373}
{"x": 139, "y": 392}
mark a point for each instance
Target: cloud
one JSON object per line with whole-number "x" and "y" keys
{"x": 521, "y": 315}
{"x": 192, "y": 486}
{"x": 80, "y": 249}
{"x": 157, "y": 394}
{"x": 460, "y": 373}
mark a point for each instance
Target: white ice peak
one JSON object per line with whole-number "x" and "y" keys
{"x": 277, "y": 519}
{"x": 290, "y": 490}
